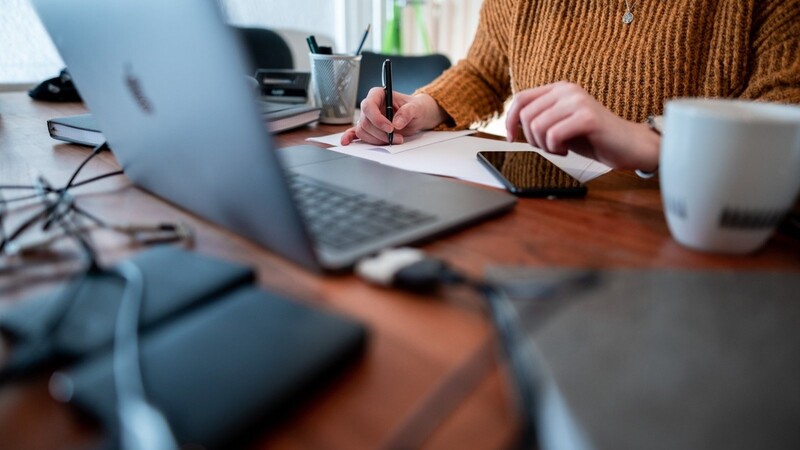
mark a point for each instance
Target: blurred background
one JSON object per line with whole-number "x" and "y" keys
{"x": 405, "y": 27}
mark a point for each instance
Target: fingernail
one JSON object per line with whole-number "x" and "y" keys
{"x": 400, "y": 122}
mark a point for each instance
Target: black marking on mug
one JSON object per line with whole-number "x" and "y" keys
{"x": 749, "y": 219}
{"x": 676, "y": 207}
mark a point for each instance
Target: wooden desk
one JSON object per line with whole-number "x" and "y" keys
{"x": 429, "y": 376}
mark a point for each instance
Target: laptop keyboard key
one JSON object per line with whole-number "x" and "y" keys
{"x": 342, "y": 219}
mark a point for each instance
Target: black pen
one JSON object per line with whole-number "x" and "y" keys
{"x": 312, "y": 44}
{"x": 387, "y": 90}
{"x": 363, "y": 39}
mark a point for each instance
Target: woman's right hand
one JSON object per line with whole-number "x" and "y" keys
{"x": 412, "y": 115}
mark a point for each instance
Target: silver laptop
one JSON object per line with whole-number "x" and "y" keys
{"x": 164, "y": 80}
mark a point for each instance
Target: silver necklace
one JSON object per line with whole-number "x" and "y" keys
{"x": 627, "y": 18}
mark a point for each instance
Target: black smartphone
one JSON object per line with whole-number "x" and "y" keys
{"x": 529, "y": 174}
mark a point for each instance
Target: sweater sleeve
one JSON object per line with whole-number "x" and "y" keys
{"x": 774, "y": 73}
{"x": 475, "y": 88}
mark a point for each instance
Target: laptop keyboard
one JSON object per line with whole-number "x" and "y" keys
{"x": 342, "y": 219}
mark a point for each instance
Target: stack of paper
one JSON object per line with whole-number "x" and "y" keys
{"x": 453, "y": 154}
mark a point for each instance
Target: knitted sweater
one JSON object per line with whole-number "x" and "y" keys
{"x": 747, "y": 49}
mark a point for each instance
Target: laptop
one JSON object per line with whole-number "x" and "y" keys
{"x": 164, "y": 81}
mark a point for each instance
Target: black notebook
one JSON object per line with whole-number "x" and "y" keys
{"x": 78, "y": 319}
{"x": 218, "y": 355}
{"x": 666, "y": 359}
{"x": 228, "y": 369}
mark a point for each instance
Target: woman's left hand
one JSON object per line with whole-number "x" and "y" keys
{"x": 562, "y": 116}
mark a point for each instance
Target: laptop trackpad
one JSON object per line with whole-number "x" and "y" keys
{"x": 374, "y": 179}
{"x": 301, "y": 155}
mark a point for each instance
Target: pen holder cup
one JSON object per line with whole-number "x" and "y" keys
{"x": 335, "y": 82}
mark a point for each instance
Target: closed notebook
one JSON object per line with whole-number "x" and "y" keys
{"x": 79, "y": 318}
{"x": 226, "y": 369}
{"x": 83, "y": 130}
{"x": 667, "y": 360}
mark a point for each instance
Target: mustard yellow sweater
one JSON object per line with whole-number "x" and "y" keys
{"x": 746, "y": 49}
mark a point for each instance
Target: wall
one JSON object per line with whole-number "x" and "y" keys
{"x": 26, "y": 53}
{"x": 309, "y": 16}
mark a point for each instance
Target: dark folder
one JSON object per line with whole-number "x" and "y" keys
{"x": 79, "y": 318}
{"x": 221, "y": 370}
{"x": 218, "y": 355}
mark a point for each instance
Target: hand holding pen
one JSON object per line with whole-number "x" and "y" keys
{"x": 412, "y": 114}
{"x": 388, "y": 116}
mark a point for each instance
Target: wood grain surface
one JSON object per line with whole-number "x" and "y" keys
{"x": 430, "y": 376}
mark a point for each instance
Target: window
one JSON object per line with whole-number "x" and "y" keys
{"x": 26, "y": 53}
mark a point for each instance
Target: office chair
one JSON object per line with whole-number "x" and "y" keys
{"x": 408, "y": 72}
{"x": 266, "y": 48}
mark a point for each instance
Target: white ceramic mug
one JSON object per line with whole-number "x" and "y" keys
{"x": 729, "y": 171}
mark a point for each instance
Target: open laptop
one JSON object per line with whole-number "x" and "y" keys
{"x": 164, "y": 82}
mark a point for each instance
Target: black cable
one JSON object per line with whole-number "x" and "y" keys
{"x": 22, "y": 227}
{"x": 520, "y": 358}
{"x": 73, "y": 229}
{"x": 47, "y": 213}
{"x": 411, "y": 270}
{"x": 59, "y": 191}
{"x": 67, "y": 202}
{"x": 90, "y": 216}
{"x": 95, "y": 151}
{"x": 3, "y": 209}
{"x": 428, "y": 274}
{"x": 18, "y": 199}
{"x": 17, "y": 186}
{"x": 98, "y": 177}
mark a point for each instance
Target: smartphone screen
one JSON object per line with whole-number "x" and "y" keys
{"x": 530, "y": 174}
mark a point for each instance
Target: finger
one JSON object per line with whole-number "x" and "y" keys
{"x": 380, "y": 138}
{"x": 373, "y": 110}
{"x": 370, "y": 139}
{"x": 405, "y": 115}
{"x": 397, "y": 139}
{"x": 348, "y": 136}
{"x": 572, "y": 127}
{"x": 520, "y": 101}
{"x": 529, "y": 116}
{"x": 372, "y": 135}
{"x": 369, "y": 128}
{"x": 542, "y": 114}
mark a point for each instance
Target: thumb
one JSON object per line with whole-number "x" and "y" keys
{"x": 405, "y": 114}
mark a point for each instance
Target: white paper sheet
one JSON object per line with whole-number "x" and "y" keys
{"x": 457, "y": 158}
{"x": 412, "y": 142}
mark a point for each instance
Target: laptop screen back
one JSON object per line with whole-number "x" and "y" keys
{"x": 166, "y": 83}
